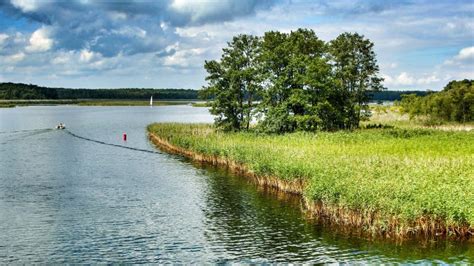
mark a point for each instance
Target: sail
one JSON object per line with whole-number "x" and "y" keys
{"x": 151, "y": 101}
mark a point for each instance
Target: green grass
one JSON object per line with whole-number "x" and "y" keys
{"x": 2, "y": 105}
{"x": 393, "y": 116}
{"x": 13, "y": 103}
{"x": 401, "y": 173}
{"x": 201, "y": 104}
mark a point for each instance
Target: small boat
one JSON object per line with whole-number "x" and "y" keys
{"x": 151, "y": 101}
{"x": 61, "y": 126}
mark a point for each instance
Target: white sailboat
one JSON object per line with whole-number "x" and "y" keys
{"x": 151, "y": 101}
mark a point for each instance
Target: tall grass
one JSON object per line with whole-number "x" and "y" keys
{"x": 399, "y": 174}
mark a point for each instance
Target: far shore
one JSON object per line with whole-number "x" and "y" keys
{"x": 98, "y": 102}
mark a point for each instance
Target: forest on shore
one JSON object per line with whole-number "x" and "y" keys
{"x": 20, "y": 91}
{"x": 287, "y": 82}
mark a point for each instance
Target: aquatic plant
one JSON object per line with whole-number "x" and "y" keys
{"x": 389, "y": 181}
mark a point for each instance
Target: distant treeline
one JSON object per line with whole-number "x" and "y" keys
{"x": 15, "y": 91}
{"x": 20, "y": 91}
{"x": 454, "y": 103}
{"x": 394, "y": 95}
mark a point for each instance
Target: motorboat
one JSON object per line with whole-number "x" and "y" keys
{"x": 61, "y": 126}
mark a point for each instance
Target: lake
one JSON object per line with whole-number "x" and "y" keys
{"x": 66, "y": 199}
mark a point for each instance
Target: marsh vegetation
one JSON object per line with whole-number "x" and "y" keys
{"x": 389, "y": 181}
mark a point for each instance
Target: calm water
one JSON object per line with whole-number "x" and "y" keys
{"x": 64, "y": 199}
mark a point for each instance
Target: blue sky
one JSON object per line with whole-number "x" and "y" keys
{"x": 142, "y": 43}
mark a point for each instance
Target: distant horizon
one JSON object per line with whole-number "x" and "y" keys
{"x": 420, "y": 45}
{"x": 159, "y": 88}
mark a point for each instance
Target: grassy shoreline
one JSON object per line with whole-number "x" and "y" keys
{"x": 395, "y": 183}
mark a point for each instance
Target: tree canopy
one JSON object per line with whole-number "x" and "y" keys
{"x": 13, "y": 91}
{"x": 454, "y": 103}
{"x": 300, "y": 81}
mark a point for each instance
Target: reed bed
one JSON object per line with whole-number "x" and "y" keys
{"x": 391, "y": 182}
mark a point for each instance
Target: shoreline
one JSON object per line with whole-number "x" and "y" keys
{"x": 96, "y": 102}
{"x": 367, "y": 223}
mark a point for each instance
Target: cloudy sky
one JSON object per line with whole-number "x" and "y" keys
{"x": 143, "y": 43}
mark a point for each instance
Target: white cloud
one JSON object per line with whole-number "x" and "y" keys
{"x": 3, "y": 38}
{"x": 405, "y": 79}
{"x": 428, "y": 80}
{"x": 15, "y": 57}
{"x": 62, "y": 58}
{"x": 86, "y": 56}
{"x": 185, "y": 58}
{"x": 26, "y": 5}
{"x": 131, "y": 32}
{"x": 465, "y": 56}
{"x": 200, "y": 12}
{"x": 118, "y": 15}
{"x": 40, "y": 41}
{"x": 466, "y": 53}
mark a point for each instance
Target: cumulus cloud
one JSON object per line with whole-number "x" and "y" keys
{"x": 40, "y": 40}
{"x": 185, "y": 58}
{"x": 158, "y": 41}
{"x": 466, "y": 53}
{"x": 408, "y": 81}
{"x": 26, "y": 5}
{"x": 199, "y": 12}
{"x": 465, "y": 56}
{"x": 87, "y": 56}
{"x": 120, "y": 27}
{"x": 15, "y": 57}
{"x": 3, "y": 38}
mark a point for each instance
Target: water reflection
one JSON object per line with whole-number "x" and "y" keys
{"x": 63, "y": 199}
{"x": 248, "y": 223}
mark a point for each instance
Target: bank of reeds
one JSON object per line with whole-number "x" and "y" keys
{"x": 394, "y": 183}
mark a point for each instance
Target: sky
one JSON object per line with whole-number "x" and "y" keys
{"x": 420, "y": 45}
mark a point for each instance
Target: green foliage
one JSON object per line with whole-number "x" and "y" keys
{"x": 403, "y": 173}
{"x": 303, "y": 83}
{"x": 386, "y": 95}
{"x": 410, "y": 174}
{"x": 297, "y": 77}
{"x": 16, "y": 91}
{"x": 454, "y": 103}
{"x": 234, "y": 83}
{"x": 356, "y": 73}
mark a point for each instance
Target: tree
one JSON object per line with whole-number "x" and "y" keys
{"x": 296, "y": 79}
{"x": 454, "y": 103}
{"x": 234, "y": 83}
{"x": 303, "y": 83}
{"x": 356, "y": 72}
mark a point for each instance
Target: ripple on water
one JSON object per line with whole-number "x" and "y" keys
{"x": 65, "y": 200}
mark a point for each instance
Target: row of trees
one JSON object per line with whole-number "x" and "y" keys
{"x": 15, "y": 91}
{"x": 392, "y": 96}
{"x": 454, "y": 103}
{"x": 302, "y": 82}
{"x": 12, "y": 91}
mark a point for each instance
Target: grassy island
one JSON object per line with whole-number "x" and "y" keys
{"x": 392, "y": 182}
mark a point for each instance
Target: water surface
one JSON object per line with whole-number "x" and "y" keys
{"x": 64, "y": 199}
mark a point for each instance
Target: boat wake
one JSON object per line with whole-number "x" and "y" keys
{"x": 109, "y": 144}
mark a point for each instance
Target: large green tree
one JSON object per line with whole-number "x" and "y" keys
{"x": 296, "y": 77}
{"x": 303, "y": 82}
{"x": 356, "y": 73}
{"x": 234, "y": 83}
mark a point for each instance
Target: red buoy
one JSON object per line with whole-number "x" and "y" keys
{"x": 124, "y": 136}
